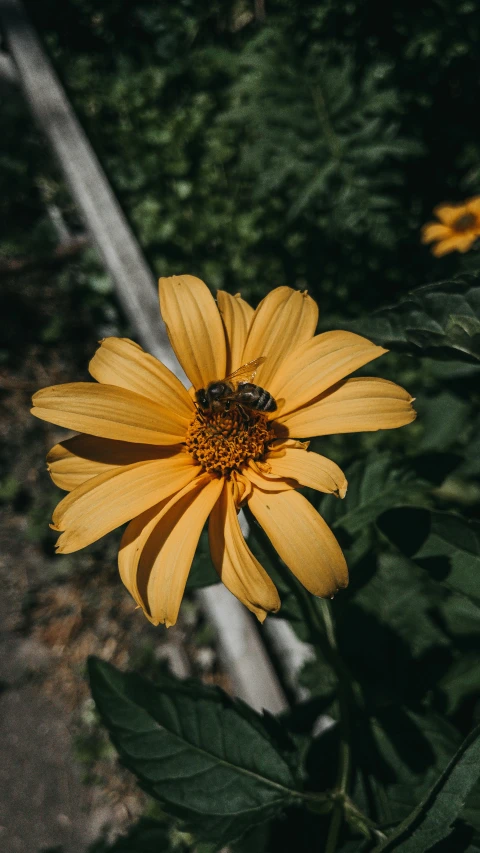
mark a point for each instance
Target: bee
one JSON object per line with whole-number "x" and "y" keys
{"x": 238, "y": 389}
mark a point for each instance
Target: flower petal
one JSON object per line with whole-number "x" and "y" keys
{"x": 82, "y": 457}
{"x": 320, "y": 363}
{"x": 257, "y": 476}
{"x": 169, "y": 545}
{"x": 236, "y": 315}
{"x": 473, "y": 206}
{"x": 309, "y": 469}
{"x": 105, "y": 502}
{"x": 302, "y": 539}
{"x": 457, "y": 243}
{"x": 354, "y": 405}
{"x": 109, "y": 412}
{"x": 241, "y": 573}
{"x": 119, "y": 361}
{"x": 194, "y": 327}
{"x": 448, "y": 213}
{"x": 140, "y": 529}
{"x": 283, "y": 320}
{"x": 69, "y": 471}
{"x": 435, "y": 231}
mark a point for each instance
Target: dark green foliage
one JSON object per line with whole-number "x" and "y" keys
{"x": 444, "y": 416}
{"x": 342, "y": 130}
{"x": 375, "y": 482}
{"x": 170, "y": 96}
{"x": 446, "y": 544}
{"x": 173, "y": 734}
{"x": 438, "y": 319}
{"x": 433, "y": 817}
{"x": 305, "y": 150}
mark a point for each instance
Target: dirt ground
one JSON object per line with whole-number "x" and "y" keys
{"x": 61, "y": 786}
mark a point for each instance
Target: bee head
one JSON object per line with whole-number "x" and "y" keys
{"x": 202, "y": 399}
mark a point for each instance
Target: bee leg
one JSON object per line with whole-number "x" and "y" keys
{"x": 200, "y": 412}
{"x": 244, "y": 414}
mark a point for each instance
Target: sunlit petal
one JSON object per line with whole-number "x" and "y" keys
{"x": 318, "y": 364}
{"x": 168, "y": 548}
{"x": 140, "y": 529}
{"x": 448, "y": 213}
{"x": 236, "y": 315}
{"x": 458, "y": 243}
{"x": 257, "y": 476}
{"x": 105, "y": 502}
{"x": 119, "y": 361}
{"x": 82, "y": 457}
{"x": 355, "y": 405}
{"x": 434, "y": 231}
{"x": 109, "y": 412}
{"x": 283, "y": 320}
{"x": 302, "y": 539}
{"x": 473, "y": 206}
{"x": 241, "y": 573}
{"x": 309, "y": 469}
{"x": 194, "y": 327}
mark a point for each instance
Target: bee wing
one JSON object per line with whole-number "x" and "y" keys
{"x": 246, "y": 373}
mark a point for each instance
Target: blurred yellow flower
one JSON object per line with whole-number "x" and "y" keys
{"x": 458, "y": 228}
{"x": 149, "y": 455}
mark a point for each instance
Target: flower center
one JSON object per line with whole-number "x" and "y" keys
{"x": 227, "y": 440}
{"x": 464, "y": 222}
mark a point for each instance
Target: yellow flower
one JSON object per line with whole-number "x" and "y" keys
{"x": 458, "y": 228}
{"x": 148, "y": 453}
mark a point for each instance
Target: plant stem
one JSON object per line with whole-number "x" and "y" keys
{"x": 343, "y": 772}
{"x": 317, "y": 614}
{"x": 343, "y": 699}
{"x": 334, "y": 828}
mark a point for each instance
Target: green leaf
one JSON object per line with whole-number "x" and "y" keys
{"x": 209, "y": 760}
{"x": 443, "y": 417}
{"x": 375, "y": 482}
{"x": 471, "y": 465}
{"x": 462, "y": 679}
{"x": 440, "y": 320}
{"x": 387, "y": 632}
{"x": 430, "y": 822}
{"x": 434, "y": 466}
{"x": 458, "y": 840}
{"x": 404, "y": 751}
{"x": 471, "y": 811}
{"x": 445, "y": 544}
{"x": 460, "y": 619}
{"x": 400, "y": 597}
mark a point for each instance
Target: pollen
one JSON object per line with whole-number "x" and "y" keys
{"x": 225, "y": 441}
{"x": 464, "y": 222}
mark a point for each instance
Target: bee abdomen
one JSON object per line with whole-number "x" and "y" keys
{"x": 266, "y": 402}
